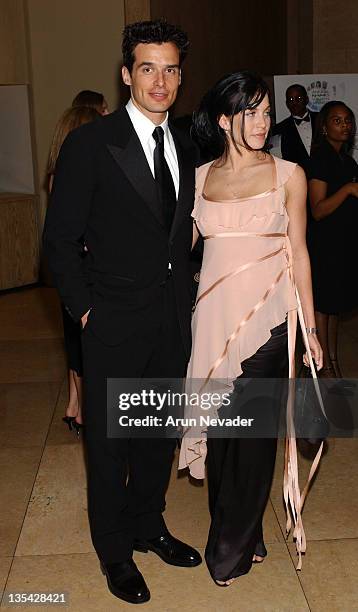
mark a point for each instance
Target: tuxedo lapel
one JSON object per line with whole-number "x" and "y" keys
{"x": 128, "y": 153}
{"x": 296, "y": 144}
{"x": 293, "y": 133}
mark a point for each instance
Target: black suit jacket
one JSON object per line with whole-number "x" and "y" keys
{"x": 104, "y": 193}
{"x": 292, "y": 147}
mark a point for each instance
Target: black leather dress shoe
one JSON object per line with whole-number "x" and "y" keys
{"x": 171, "y": 550}
{"x": 126, "y": 582}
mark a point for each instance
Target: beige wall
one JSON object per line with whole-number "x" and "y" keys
{"x": 13, "y": 58}
{"x": 335, "y": 36}
{"x": 299, "y": 36}
{"x": 74, "y": 45}
{"x": 136, "y": 10}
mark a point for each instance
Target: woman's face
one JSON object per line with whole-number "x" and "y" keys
{"x": 257, "y": 123}
{"x": 339, "y": 124}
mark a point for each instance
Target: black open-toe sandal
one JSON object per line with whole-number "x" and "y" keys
{"x": 221, "y": 585}
{"x": 260, "y": 551}
{"x": 234, "y": 578}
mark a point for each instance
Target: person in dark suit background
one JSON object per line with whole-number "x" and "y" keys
{"x": 297, "y": 130}
{"x": 128, "y": 180}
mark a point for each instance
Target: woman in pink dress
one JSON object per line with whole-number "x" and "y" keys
{"x": 250, "y": 209}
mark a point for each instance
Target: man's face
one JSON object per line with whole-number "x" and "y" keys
{"x": 154, "y": 79}
{"x": 296, "y": 101}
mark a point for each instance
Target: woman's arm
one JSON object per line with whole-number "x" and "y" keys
{"x": 321, "y": 206}
{"x": 296, "y": 192}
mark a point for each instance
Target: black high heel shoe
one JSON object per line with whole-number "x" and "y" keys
{"x": 70, "y": 420}
{"x": 77, "y": 427}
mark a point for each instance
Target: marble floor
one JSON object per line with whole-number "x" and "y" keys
{"x": 44, "y": 535}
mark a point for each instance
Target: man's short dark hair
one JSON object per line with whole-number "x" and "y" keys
{"x": 156, "y": 32}
{"x": 297, "y": 86}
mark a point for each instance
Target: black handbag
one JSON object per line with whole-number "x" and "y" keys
{"x": 310, "y": 418}
{"x": 311, "y": 422}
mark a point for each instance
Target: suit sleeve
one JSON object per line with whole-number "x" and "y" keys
{"x": 277, "y": 129}
{"x": 66, "y": 219}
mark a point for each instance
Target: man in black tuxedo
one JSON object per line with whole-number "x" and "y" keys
{"x": 125, "y": 185}
{"x": 296, "y": 131}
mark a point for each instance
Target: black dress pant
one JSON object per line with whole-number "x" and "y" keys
{"x": 128, "y": 478}
{"x": 239, "y": 477}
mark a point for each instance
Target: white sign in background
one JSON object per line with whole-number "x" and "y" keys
{"x": 321, "y": 88}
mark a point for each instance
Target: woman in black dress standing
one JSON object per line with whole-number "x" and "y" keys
{"x": 71, "y": 119}
{"x": 332, "y": 238}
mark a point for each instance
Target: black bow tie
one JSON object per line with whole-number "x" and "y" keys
{"x": 298, "y": 121}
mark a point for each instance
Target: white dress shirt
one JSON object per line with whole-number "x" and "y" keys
{"x": 144, "y": 128}
{"x": 305, "y": 131}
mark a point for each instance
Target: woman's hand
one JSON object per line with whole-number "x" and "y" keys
{"x": 352, "y": 189}
{"x": 316, "y": 351}
{"x": 84, "y": 318}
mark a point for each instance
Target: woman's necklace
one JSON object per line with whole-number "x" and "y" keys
{"x": 233, "y": 191}
{"x": 232, "y": 186}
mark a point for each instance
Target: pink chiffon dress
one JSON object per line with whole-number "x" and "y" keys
{"x": 246, "y": 290}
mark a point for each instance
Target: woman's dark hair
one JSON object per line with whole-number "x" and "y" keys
{"x": 147, "y": 32}
{"x": 234, "y": 93}
{"x": 321, "y": 123}
{"x": 92, "y": 99}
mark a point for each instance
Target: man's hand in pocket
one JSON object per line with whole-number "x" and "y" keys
{"x": 84, "y": 319}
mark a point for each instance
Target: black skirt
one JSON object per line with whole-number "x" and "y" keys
{"x": 239, "y": 477}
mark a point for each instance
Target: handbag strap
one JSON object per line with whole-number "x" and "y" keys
{"x": 293, "y": 499}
